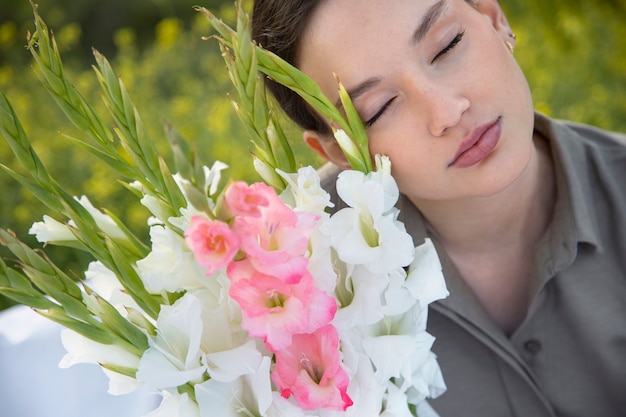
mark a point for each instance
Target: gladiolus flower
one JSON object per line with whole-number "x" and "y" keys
{"x": 310, "y": 370}
{"x": 274, "y": 241}
{"x": 242, "y": 199}
{"x": 212, "y": 242}
{"x": 274, "y": 309}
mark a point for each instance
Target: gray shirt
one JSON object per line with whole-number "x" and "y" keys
{"x": 568, "y": 357}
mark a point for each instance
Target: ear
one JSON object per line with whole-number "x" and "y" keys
{"x": 492, "y": 10}
{"x": 326, "y": 147}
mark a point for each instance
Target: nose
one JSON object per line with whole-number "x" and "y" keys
{"x": 445, "y": 107}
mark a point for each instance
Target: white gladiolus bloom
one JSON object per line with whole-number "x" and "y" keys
{"x": 83, "y": 350}
{"x": 228, "y": 352}
{"x": 321, "y": 258}
{"x": 427, "y": 381}
{"x": 200, "y": 334}
{"x": 175, "y": 405}
{"x": 248, "y": 395}
{"x": 366, "y": 395}
{"x": 174, "y": 356}
{"x": 51, "y": 230}
{"x": 197, "y": 195}
{"x": 182, "y": 222}
{"x": 104, "y": 222}
{"x": 228, "y": 365}
{"x": 304, "y": 192}
{"x": 365, "y": 307}
{"x": 170, "y": 265}
{"x": 155, "y": 206}
{"x": 397, "y": 299}
{"x": 395, "y": 403}
{"x": 367, "y": 231}
{"x": 425, "y": 280}
{"x": 212, "y": 176}
{"x": 383, "y": 176}
{"x": 282, "y": 407}
{"x": 105, "y": 283}
{"x": 398, "y": 355}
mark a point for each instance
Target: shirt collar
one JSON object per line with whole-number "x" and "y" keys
{"x": 573, "y": 221}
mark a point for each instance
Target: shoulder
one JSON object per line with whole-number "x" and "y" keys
{"x": 590, "y": 167}
{"x": 583, "y": 148}
{"x": 574, "y": 134}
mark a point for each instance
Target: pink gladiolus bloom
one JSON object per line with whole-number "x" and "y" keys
{"x": 274, "y": 309}
{"x": 310, "y": 370}
{"x": 242, "y": 199}
{"x": 212, "y": 242}
{"x": 274, "y": 241}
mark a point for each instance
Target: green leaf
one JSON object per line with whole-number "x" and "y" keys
{"x": 131, "y": 281}
{"x": 139, "y": 320}
{"x": 89, "y": 330}
{"x": 123, "y": 370}
{"x": 132, "y": 243}
{"x": 359, "y": 136}
{"x": 18, "y": 287}
{"x": 14, "y": 133}
{"x": 117, "y": 324}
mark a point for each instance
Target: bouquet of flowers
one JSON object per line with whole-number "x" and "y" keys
{"x": 250, "y": 299}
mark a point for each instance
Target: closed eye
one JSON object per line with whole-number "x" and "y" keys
{"x": 379, "y": 113}
{"x": 450, "y": 46}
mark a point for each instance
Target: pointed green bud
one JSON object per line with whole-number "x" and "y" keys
{"x": 269, "y": 174}
{"x": 350, "y": 150}
{"x": 139, "y": 320}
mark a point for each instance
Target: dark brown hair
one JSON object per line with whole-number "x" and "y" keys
{"x": 277, "y": 25}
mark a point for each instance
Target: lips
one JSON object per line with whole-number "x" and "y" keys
{"x": 478, "y": 145}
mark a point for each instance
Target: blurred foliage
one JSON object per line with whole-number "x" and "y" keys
{"x": 574, "y": 55}
{"x": 572, "y": 51}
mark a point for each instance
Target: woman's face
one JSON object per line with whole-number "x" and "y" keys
{"x": 439, "y": 91}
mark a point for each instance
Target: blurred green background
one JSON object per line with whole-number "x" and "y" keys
{"x": 573, "y": 53}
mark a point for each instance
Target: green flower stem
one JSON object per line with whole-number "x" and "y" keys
{"x": 12, "y": 130}
{"x": 44, "y": 287}
{"x": 49, "y": 69}
{"x": 123, "y": 370}
{"x": 244, "y": 58}
{"x": 118, "y": 325}
{"x": 133, "y": 137}
{"x": 131, "y": 281}
{"x": 19, "y": 288}
{"x": 132, "y": 142}
{"x": 87, "y": 232}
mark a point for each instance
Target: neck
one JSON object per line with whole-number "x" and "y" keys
{"x": 512, "y": 220}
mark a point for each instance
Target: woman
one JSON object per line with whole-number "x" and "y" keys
{"x": 528, "y": 214}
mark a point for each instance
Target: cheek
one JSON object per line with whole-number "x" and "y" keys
{"x": 414, "y": 159}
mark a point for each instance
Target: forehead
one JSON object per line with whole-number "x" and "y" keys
{"x": 354, "y": 38}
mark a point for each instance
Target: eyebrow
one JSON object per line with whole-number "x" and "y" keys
{"x": 432, "y": 15}
{"x": 430, "y": 18}
{"x": 359, "y": 90}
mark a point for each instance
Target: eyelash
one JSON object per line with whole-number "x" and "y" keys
{"x": 451, "y": 45}
{"x": 459, "y": 36}
{"x": 379, "y": 113}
